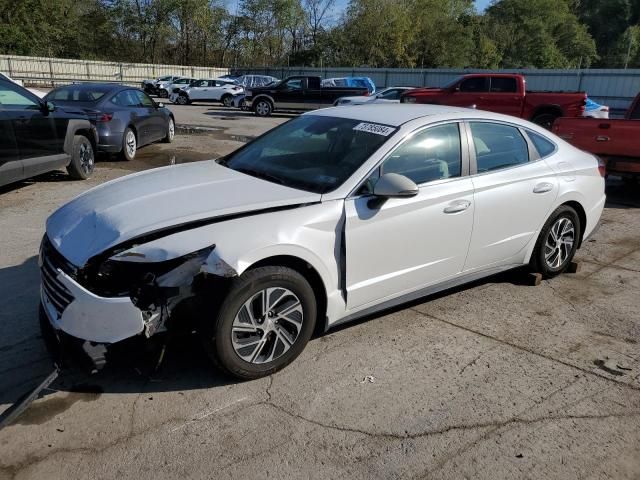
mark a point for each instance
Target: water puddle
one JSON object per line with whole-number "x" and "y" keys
{"x": 44, "y": 410}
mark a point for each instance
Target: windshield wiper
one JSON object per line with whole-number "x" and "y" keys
{"x": 260, "y": 174}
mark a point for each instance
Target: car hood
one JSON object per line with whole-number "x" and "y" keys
{"x": 158, "y": 199}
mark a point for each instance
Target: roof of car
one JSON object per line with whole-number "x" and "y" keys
{"x": 394, "y": 114}
{"x": 92, "y": 85}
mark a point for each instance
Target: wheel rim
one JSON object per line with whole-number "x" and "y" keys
{"x": 267, "y": 325}
{"x": 559, "y": 243}
{"x": 172, "y": 129}
{"x": 226, "y": 101}
{"x": 182, "y": 100}
{"x": 131, "y": 144}
{"x": 86, "y": 158}
{"x": 263, "y": 108}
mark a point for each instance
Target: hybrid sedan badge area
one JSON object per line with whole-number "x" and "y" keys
{"x": 328, "y": 217}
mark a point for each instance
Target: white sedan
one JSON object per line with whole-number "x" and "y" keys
{"x": 388, "y": 95}
{"x": 329, "y": 217}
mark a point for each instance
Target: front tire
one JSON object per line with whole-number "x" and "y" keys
{"x": 182, "y": 99}
{"x": 129, "y": 144}
{"x": 227, "y": 101}
{"x": 83, "y": 158}
{"x": 171, "y": 131}
{"x": 263, "y": 324}
{"x": 263, "y": 108}
{"x": 557, "y": 243}
{"x": 163, "y": 93}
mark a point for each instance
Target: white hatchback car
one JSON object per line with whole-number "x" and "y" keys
{"x": 208, "y": 90}
{"x": 333, "y": 215}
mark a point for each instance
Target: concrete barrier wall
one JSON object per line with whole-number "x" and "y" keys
{"x": 40, "y": 71}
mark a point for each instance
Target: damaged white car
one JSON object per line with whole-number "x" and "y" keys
{"x": 331, "y": 216}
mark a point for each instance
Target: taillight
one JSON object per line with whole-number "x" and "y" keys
{"x": 602, "y": 167}
{"x": 105, "y": 117}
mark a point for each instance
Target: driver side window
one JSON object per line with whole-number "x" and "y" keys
{"x": 294, "y": 84}
{"x": 432, "y": 154}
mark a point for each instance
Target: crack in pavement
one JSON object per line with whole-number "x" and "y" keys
{"x": 528, "y": 350}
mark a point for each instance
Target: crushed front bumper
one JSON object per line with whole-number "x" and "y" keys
{"x": 75, "y": 310}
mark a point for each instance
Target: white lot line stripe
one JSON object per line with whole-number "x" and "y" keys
{"x": 207, "y": 414}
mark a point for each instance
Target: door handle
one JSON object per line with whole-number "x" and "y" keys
{"x": 602, "y": 138}
{"x": 457, "y": 207}
{"x": 543, "y": 187}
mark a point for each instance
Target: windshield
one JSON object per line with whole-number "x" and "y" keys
{"x": 311, "y": 152}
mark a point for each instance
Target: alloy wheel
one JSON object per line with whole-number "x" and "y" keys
{"x": 130, "y": 142}
{"x": 263, "y": 108}
{"x": 267, "y": 325}
{"x": 86, "y": 158}
{"x": 559, "y": 243}
{"x": 171, "y": 130}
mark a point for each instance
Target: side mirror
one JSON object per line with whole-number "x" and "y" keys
{"x": 48, "y": 107}
{"x": 394, "y": 185}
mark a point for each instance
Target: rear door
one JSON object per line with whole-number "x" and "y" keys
{"x": 514, "y": 192}
{"x": 504, "y": 97}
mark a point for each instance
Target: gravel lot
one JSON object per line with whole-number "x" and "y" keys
{"x": 493, "y": 380}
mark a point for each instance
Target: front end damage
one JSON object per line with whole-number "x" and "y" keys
{"x": 120, "y": 295}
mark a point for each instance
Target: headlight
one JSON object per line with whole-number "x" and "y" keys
{"x": 127, "y": 274}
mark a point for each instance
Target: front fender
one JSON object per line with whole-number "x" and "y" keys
{"x": 79, "y": 125}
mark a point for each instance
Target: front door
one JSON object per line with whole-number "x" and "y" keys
{"x": 11, "y": 168}
{"x": 403, "y": 244}
{"x": 154, "y": 118}
{"x": 504, "y": 226}
{"x": 291, "y": 94}
{"x": 472, "y": 92}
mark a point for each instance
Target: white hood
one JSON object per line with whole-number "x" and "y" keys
{"x": 137, "y": 204}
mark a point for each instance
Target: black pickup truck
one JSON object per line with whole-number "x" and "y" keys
{"x": 296, "y": 94}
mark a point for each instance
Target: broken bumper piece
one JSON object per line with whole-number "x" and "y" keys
{"x": 75, "y": 310}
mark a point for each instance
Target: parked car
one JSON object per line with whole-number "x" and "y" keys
{"x": 299, "y": 93}
{"x": 207, "y": 90}
{"x": 503, "y": 93}
{"x": 331, "y": 216}
{"x": 125, "y": 118}
{"x": 615, "y": 141}
{"x": 165, "y": 89}
{"x": 38, "y": 136}
{"x": 248, "y": 82}
{"x": 595, "y": 110}
{"x": 388, "y": 95}
{"x": 150, "y": 87}
{"x": 356, "y": 82}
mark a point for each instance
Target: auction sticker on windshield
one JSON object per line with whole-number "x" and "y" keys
{"x": 374, "y": 128}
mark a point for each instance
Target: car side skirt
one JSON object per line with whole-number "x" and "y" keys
{"x": 423, "y": 292}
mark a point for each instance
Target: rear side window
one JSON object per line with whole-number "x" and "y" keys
{"x": 127, "y": 98}
{"x": 543, "y": 146}
{"x": 474, "y": 84}
{"x": 78, "y": 93}
{"x": 503, "y": 85}
{"x": 433, "y": 154}
{"x": 498, "y": 146}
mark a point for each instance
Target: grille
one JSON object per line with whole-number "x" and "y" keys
{"x": 59, "y": 296}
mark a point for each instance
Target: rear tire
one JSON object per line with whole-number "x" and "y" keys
{"x": 83, "y": 158}
{"x": 264, "y": 322}
{"x": 545, "y": 120}
{"x": 263, "y": 108}
{"x": 557, "y": 243}
{"x": 129, "y": 145}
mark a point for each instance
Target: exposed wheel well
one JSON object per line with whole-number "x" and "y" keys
{"x": 552, "y": 109}
{"x": 582, "y": 215}
{"x": 89, "y": 134}
{"x": 309, "y": 273}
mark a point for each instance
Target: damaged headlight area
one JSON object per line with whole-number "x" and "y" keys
{"x": 156, "y": 288}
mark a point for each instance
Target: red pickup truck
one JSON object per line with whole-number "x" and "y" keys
{"x": 502, "y": 93}
{"x": 617, "y": 142}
